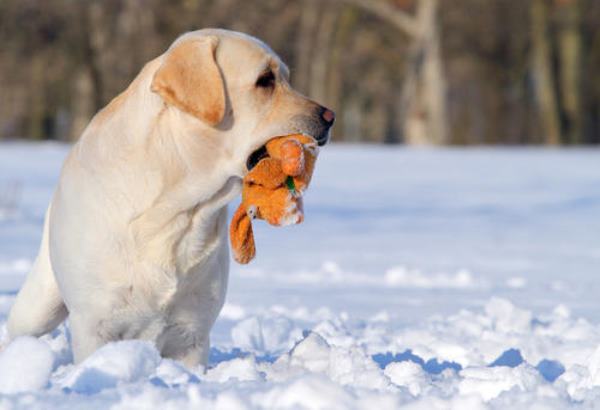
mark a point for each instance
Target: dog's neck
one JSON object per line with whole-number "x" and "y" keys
{"x": 184, "y": 193}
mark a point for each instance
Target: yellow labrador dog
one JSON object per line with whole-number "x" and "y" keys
{"x": 135, "y": 238}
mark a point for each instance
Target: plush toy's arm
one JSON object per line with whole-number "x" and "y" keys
{"x": 267, "y": 173}
{"x": 241, "y": 236}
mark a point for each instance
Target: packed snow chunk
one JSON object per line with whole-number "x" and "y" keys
{"x": 346, "y": 366}
{"x": 120, "y": 362}
{"x": 229, "y": 401}
{"x": 25, "y": 365}
{"x": 265, "y": 334}
{"x": 355, "y": 368}
{"x": 489, "y": 382}
{"x": 241, "y": 369}
{"x": 309, "y": 392}
{"x": 506, "y": 317}
{"x": 58, "y": 341}
{"x": 594, "y": 367}
{"x": 312, "y": 353}
{"x": 335, "y": 331}
{"x": 408, "y": 374}
{"x": 454, "y": 403}
{"x": 576, "y": 381}
{"x": 148, "y": 397}
{"x": 171, "y": 372}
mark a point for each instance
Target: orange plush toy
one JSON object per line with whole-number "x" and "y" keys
{"x": 273, "y": 190}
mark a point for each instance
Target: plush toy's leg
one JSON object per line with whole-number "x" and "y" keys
{"x": 241, "y": 236}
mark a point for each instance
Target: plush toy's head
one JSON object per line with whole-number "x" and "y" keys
{"x": 273, "y": 190}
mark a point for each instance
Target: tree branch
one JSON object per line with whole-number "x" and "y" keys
{"x": 386, "y": 11}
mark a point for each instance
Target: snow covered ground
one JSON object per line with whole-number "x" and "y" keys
{"x": 420, "y": 279}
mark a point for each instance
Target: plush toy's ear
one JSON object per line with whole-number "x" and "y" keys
{"x": 301, "y": 181}
{"x": 241, "y": 236}
{"x": 189, "y": 79}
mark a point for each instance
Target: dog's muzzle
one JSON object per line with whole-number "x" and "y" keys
{"x": 318, "y": 126}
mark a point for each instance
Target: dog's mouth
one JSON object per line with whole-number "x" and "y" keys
{"x": 256, "y": 156}
{"x": 262, "y": 153}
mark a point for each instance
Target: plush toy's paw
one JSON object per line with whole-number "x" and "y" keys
{"x": 293, "y": 214}
{"x": 266, "y": 173}
{"x": 252, "y": 211}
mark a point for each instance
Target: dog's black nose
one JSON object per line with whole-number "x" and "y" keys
{"x": 328, "y": 116}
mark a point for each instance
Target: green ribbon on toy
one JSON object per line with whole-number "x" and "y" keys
{"x": 290, "y": 184}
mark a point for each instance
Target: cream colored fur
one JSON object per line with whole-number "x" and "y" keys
{"x": 135, "y": 237}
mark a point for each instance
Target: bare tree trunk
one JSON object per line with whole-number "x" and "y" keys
{"x": 322, "y": 54}
{"x": 542, "y": 73}
{"x": 386, "y": 11}
{"x": 95, "y": 43}
{"x": 352, "y": 119}
{"x": 434, "y": 81}
{"x": 305, "y": 44}
{"x": 569, "y": 54}
{"x": 84, "y": 106}
{"x": 37, "y": 101}
{"x": 424, "y": 92}
{"x": 345, "y": 26}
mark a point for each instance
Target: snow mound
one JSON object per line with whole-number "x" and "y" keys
{"x": 25, "y": 365}
{"x": 408, "y": 374}
{"x": 120, "y": 362}
{"x": 274, "y": 333}
{"x": 489, "y": 382}
{"x": 498, "y": 356}
{"x": 311, "y": 393}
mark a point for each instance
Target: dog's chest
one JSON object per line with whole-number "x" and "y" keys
{"x": 201, "y": 238}
{"x": 183, "y": 290}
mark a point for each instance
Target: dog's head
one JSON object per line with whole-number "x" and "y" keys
{"x": 237, "y": 93}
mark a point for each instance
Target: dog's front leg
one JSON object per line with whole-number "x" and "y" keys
{"x": 86, "y": 337}
{"x": 197, "y": 354}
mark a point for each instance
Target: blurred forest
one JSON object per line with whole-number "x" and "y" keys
{"x": 395, "y": 71}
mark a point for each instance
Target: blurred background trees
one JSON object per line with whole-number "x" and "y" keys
{"x": 395, "y": 71}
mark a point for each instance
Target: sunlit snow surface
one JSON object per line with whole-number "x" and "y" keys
{"x": 425, "y": 279}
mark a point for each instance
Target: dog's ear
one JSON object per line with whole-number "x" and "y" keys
{"x": 189, "y": 79}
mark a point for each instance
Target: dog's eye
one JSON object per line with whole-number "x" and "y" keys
{"x": 266, "y": 80}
